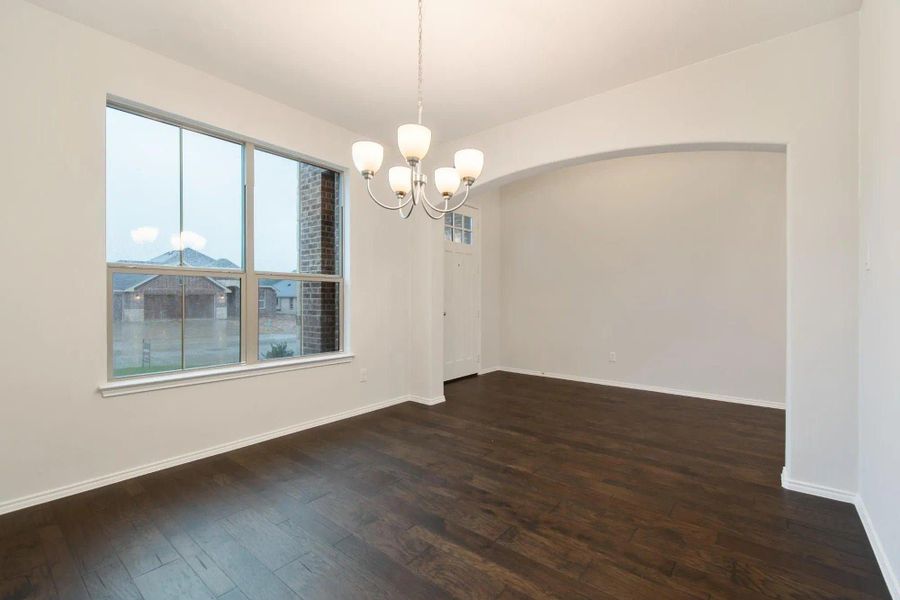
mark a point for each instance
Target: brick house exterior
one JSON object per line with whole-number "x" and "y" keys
{"x": 158, "y": 297}
{"x": 268, "y": 299}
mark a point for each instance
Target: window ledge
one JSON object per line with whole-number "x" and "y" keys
{"x": 164, "y": 381}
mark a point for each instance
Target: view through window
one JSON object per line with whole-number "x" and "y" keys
{"x": 458, "y": 229}
{"x": 182, "y": 282}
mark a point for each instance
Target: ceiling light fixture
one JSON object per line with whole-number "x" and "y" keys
{"x": 408, "y": 183}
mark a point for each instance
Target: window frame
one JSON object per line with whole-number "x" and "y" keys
{"x": 461, "y": 230}
{"x": 248, "y": 276}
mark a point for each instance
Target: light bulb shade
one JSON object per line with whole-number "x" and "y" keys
{"x": 446, "y": 179}
{"x": 400, "y": 179}
{"x": 367, "y": 156}
{"x": 469, "y": 163}
{"x": 413, "y": 141}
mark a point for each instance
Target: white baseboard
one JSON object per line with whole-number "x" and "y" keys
{"x": 638, "y": 386}
{"x": 823, "y": 491}
{"x": 83, "y": 486}
{"x": 887, "y": 570}
{"x": 427, "y": 401}
{"x": 489, "y": 370}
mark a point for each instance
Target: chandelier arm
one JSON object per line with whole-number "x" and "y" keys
{"x": 426, "y": 206}
{"x": 408, "y": 213}
{"x": 444, "y": 211}
{"x": 407, "y": 197}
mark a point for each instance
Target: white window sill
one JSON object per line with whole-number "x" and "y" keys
{"x": 164, "y": 381}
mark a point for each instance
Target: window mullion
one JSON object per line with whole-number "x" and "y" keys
{"x": 110, "y": 366}
{"x": 340, "y": 317}
{"x": 183, "y": 318}
{"x": 250, "y": 319}
{"x": 181, "y": 237}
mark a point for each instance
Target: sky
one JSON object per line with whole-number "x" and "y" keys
{"x": 143, "y": 195}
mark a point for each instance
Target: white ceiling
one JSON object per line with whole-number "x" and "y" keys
{"x": 353, "y": 62}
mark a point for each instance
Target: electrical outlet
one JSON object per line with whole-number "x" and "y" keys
{"x": 612, "y": 357}
{"x": 363, "y": 375}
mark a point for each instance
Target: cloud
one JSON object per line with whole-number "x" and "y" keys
{"x": 143, "y": 235}
{"x": 188, "y": 239}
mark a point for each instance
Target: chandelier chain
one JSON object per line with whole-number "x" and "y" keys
{"x": 419, "y": 96}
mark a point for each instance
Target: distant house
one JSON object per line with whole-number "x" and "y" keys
{"x": 278, "y": 296}
{"x": 139, "y": 296}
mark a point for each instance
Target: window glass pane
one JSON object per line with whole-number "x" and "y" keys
{"x": 298, "y": 217}
{"x": 146, "y": 323}
{"x": 213, "y": 203}
{"x": 457, "y": 235}
{"x": 448, "y": 233}
{"x": 320, "y": 221}
{"x": 212, "y": 325}
{"x": 279, "y": 318}
{"x": 467, "y": 223}
{"x": 467, "y": 238}
{"x": 276, "y": 213}
{"x": 448, "y": 219}
{"x": 298, "y": 318}
{"x": 142, "y": 187}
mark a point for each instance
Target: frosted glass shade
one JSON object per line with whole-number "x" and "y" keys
{"x": 399, "y": 178}
{"x": 469, "y": 163}
{"x": 446, "y": 179}
{"x": 367, "y": 156}
{"x": 413, "y": 141}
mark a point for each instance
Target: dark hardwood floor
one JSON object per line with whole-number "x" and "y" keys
{"x": 516, "y": 487}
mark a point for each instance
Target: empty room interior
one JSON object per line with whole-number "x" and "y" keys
{"x": 426, "y": 299}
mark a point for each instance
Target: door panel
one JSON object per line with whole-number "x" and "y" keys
{"x": 462, "y": 298}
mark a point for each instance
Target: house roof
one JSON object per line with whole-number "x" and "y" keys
{"x": 127, "y": 282}
{"x": 284, "y": 288}
{"x": 192, "y": 258}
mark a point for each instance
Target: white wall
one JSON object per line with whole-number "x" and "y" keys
{"x": 488, "y": 202}
{"x": 55, "y": 428}
{"x": 675, "y": 262}
{"x": 800, "y": 90}
{"x": 879, "y": 412}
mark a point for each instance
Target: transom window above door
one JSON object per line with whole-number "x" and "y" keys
{"x": 205, "y": 270}
{"x": 458, "y": 229}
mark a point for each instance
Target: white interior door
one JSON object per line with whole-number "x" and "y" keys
{"x": 462, "y": 293}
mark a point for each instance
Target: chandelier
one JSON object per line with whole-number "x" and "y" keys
{"x": 408, "y": 183}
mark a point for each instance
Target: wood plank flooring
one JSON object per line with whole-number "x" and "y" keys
{"x": 516, "y": 487}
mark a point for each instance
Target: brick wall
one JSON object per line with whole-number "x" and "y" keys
{"x": 320, "y": 306}
{"x": 320, "y": 244}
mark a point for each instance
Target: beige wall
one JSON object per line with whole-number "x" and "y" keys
{"x": 879, "y": 414}
{"x": 675, "y": 262}
{"x": 55, "y": 428}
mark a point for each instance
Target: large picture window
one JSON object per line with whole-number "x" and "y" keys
{"x": 219, "y": 252}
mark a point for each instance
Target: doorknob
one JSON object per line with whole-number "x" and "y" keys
{"x": 445, "y": 313}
